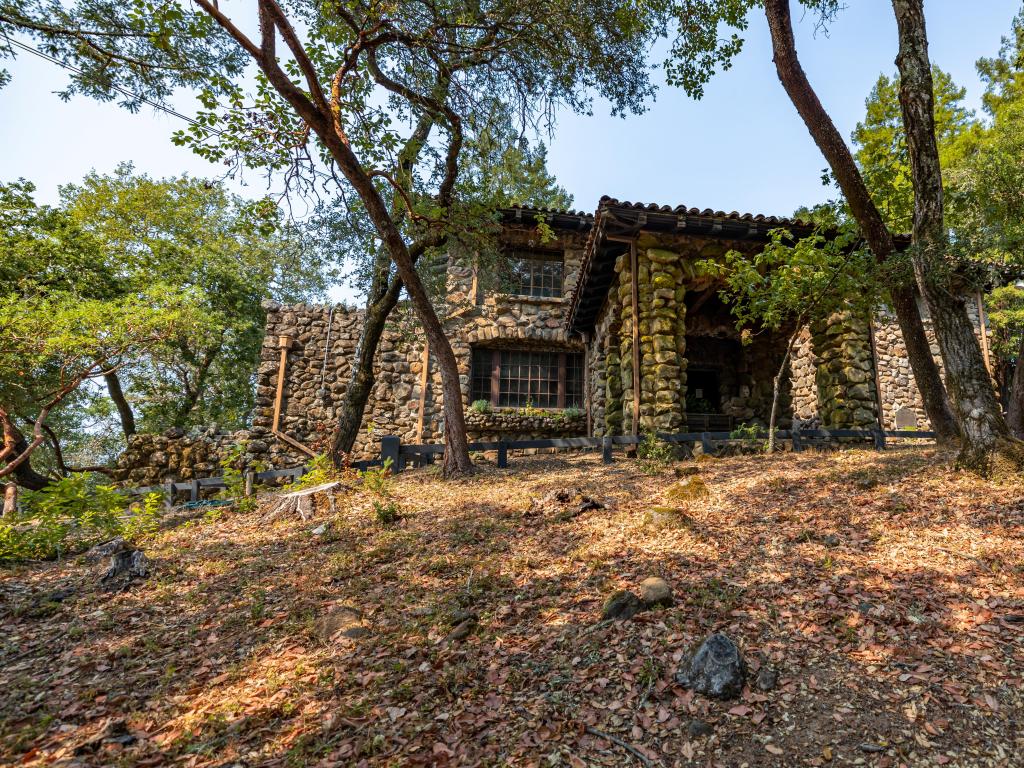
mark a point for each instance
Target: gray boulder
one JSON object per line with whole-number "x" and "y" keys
{"x": 621, "y": 605}
{"x": 717, "y": 669}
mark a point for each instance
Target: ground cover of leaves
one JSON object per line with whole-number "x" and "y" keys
{"x": 887, "y": 590}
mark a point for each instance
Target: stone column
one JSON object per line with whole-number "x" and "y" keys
{"x": 846, "y": 395}
{"x": 665, "y": 364}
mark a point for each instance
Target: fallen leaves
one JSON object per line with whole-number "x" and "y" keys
{"x": 833, "y": 570}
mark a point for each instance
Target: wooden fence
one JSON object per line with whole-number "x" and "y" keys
{"x": 418, "y": 455}
{"x": 402, "y": 456}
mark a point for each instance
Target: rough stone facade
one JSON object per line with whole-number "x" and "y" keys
{"x": 696, "y": 371}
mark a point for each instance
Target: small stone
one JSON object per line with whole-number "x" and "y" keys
{"x": 767, "y": 679}
{"x": 461, "y": 631}
{"x": 461, "y": 616}
{"x": 831, "y": 540}
{"x": 655, "y": 591}
{"x": 697, "y": 728}
{"x": 686, "y": 490}
{"x": 621, "y": 605}
{"x": 667, "y": 517}
{"x": 320, "y": 530}
{"x": 868, "y": 747}
{"x": 686, "y": 470}
{"x": 716, "y": 670}
{"x": 341, "y": 621}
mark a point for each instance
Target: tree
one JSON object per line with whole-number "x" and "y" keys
{"x": 881, "y": 143}
{"x": 53, "y": 342}
{"x": 794, "y": 282}
{"x": 699, "y": 51}
{"x": 986, "y": 437}
{"x": 193, "y": 233}
{"x": 1006, "y": 314}
{"x": 436, "y": 65}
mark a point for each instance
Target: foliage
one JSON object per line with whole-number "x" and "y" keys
{"x": 481, "y": 406}
{"x": 795, "y": 280}
{"x": 882, "y": 152}
{"x": 1005, "y": 307}
{"x": 572, "y": 412}
{"x": 233, "y": 470}
{"x": 321, "y": 470}
{"x": 386, "y": 511}
{"x": 752, "y": 431}
{"x": 144, "y": 517}
{"x": 653, "y": 454}
{"x": 379, "y": 481}
{"x": 68, "y": 515}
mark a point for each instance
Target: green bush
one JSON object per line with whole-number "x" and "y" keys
{"x": 481, "y": 406}
{"x": 68, "y": 515}
{"x": 321, "y": 470}
{"x": 653, "y": 455}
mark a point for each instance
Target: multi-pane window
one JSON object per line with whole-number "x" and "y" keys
{"x": 535, "y": 273}
{"x": 516, "y": 378}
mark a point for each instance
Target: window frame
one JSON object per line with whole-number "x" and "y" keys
{"x": 534, "y": 259}
{"x": 563, "y": 359}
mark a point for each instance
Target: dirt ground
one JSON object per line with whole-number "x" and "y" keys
{"x": 886, "y": 590}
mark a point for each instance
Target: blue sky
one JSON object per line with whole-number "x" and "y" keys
{"x": 743, "y": 147}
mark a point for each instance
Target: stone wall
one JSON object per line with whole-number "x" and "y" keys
{"x": 844, "y": 376}
{"x": 177, "y": 455}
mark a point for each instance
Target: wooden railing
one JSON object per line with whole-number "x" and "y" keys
{"x": 401, "y": 456}
{"x": 418, "y": 455}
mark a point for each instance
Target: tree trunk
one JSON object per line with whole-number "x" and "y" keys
{"x": 1015, "y": 406}
{"x": 10, "y": 499}
{"x": 361, "y": 381}
{"x": 124, "y": 410}
{"x": 919, "y": 353}
{"x": 830, "y": 142}
{"x": 983, "y": 428}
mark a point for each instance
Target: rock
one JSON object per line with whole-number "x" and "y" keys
{"x": 462, "y": 630}
{"x": 687, "y": 490}
{"x": 655, "y": 591}
{"x": 460, "y": 616}
{"x": 320, "y": 530}
{"x": 107, "y": 549}
{"x": 767, "y": 679}
{"x": 621, "y": 605}
{"x": 174, "y": 433}
{"x": 565, "y": 503}
{"x": 125, "y": 567}
{"x": 667, "y": 517}
{"x": 831, "y": 540}
{"x": 341, "y": 621}
{"x": 697, "y": 728}
{"x": 59, "y": 595}
{"x": 686, "y": 470}
{"x": 716, "y": 670}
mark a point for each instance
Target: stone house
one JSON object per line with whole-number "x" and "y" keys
{"x": 550, "y": 348}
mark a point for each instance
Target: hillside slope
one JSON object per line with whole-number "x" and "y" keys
{"x": 886, "y": 592}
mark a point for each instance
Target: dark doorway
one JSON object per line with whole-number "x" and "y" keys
{"x": 703, "y": 391}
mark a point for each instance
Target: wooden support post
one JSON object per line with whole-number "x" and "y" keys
{"x": 193, "y": 494}
{"x": 874, "y": 371}
{"x": 502, "y": 455}
{"x": 706, "y": 445}
{"x": 879, "y": 438}
{"x": 390, "y": 448}
{"x": 798, "y": 445}
{"x": 250, "y": 481}
{"x": 606, "y": 449}
{"x": 169, "y": 494}
{"x": 424, "y": 383}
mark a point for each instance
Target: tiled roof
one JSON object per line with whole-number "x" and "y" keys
{"x": 681, "y": 210}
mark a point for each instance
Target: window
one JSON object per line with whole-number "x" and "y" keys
{"x": 515, "y": 378}
{"x": 535, "y": 273}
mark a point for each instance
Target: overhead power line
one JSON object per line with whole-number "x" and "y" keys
{"x": 119, "y": 89}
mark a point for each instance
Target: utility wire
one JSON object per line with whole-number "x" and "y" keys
{"x": 119, "y": 89}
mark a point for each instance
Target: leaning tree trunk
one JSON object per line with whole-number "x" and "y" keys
{"x": 361, "y": 380}
{"x": 124, "y": 410}
{"x": 830, "y": 142}
{"x": 984, "y": 431}
{"x": 1015, "y": 406}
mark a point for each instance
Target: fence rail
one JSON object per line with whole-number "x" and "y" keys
{"x": 402, "y": 456}
{"x": 418, "y": 455}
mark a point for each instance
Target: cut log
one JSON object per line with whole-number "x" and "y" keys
{"x": 301, "y": 502}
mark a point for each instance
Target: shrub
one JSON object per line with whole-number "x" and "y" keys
{"x": 386, "y": 512}
{"x": 653, "y": 455}
{"x": 321, "y": 470}
{"x": 481, "y": 406}
{"x": 67, "y": 515}
{"x": 572, "y": 412}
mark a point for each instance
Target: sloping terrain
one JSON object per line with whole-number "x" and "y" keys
{"x": 886, "y": 591}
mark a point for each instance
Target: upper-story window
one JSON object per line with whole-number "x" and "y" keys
{"x": 537, "y": 274}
